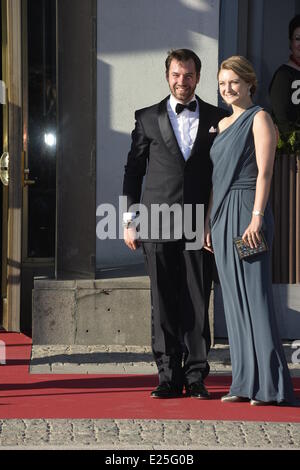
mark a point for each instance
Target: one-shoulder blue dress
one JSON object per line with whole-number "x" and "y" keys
{"x": 259, "y": 368}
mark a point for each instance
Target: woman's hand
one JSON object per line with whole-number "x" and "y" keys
{"x": 251, "y": 235}
{"x": 207, "y": 238}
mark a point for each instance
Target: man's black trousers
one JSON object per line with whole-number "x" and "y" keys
{"x": 180, "y": 288}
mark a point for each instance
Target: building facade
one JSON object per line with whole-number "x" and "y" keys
{"x": 73, "y": 73}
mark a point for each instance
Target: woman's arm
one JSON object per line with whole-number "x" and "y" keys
{"x": 265, "y": 146}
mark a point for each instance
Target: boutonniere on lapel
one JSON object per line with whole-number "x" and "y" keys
{"x": 213, "y": 130}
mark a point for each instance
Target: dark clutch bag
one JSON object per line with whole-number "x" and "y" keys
{"x": 245, "y": 251}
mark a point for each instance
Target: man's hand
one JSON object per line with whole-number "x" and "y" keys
{"x": 207, "y": 239}
{"x": 130, "y": 238}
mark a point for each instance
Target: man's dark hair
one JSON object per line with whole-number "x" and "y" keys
{"x": 183, "y": 55}
{"x": 294, "y": 23}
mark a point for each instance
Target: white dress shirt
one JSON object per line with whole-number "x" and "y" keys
{"x": 185, "y": 125}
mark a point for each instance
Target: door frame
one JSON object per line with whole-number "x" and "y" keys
{"x": 12, "y": 142}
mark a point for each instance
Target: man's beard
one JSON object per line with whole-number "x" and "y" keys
{"x": 183, "y": 95}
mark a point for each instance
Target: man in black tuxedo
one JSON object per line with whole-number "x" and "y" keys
{"x": 170, "y": 145}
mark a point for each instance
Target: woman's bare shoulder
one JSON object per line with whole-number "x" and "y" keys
{"x": 223, "y": 123}
{"x": 262, "y": 117}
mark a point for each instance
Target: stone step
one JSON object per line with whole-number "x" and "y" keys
{"x": 118, "y": 359}
{"x": 114, "y": 309}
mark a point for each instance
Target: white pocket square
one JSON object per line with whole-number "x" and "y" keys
{"x": 212, "y": 130}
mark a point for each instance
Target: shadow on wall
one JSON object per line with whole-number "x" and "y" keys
{"x": 142, "y": 25}
{"x": 112, "y": 149}
{"x": 133, "y": 41}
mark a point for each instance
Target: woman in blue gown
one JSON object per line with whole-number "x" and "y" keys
{"x": 243, "y": 156}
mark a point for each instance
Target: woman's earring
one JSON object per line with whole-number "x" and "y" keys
{"x": 249, "y": 91}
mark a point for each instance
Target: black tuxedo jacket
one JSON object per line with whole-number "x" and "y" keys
{"x": 169, "y": 178}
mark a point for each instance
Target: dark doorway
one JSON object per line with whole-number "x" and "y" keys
{"x": 41, "y": 145}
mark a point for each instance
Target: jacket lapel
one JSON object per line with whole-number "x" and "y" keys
{"x": 166, "y": 130}
{"x": 202, "y": 127}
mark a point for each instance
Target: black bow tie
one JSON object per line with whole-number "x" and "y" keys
{"x": 191, "y": 107}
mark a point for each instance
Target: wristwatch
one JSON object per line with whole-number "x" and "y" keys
{"x": 129, "y": 223}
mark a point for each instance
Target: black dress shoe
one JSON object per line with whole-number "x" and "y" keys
{"x": 197, "y": 390}
{"x": 166, "y": 390}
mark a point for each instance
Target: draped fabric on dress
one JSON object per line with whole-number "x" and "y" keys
{"x": 259, "y": 368}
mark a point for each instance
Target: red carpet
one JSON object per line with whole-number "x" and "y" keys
{"x": 112, "y": 396}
